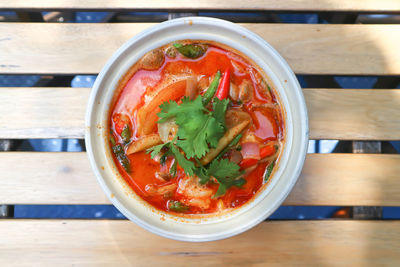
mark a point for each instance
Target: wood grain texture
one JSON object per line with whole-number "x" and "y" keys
{"x": 124, "y": 5}
{"x": 350, "y": 114}
{"x": 122, "y": 243}
{"x": 43, "y": 112}
{"x": 38, "y": 48}
{"x": 327, "y": 179}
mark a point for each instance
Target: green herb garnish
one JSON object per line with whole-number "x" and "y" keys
{"x": 126, "y": 134}
{"x": 226, "y": 173}
{"x": 191, "y": 50}
{"x": 177, "y": 206}
{"x": 269, "y": 171}
{"x": 122, "y": 158}
{"x": 199, "y": 130}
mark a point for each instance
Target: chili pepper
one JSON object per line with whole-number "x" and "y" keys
{"x": 245, "y": 163}
{"x": 267, "y": 151}
{"x": 223, "y": 88}
{"x": 209, "y": 94}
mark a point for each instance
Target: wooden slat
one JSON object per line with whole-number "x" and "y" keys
{"x": 327, "y": 179}
{"x": 309, "y": 48}
{"x": 122, "y": 243}
{"x": 43, "y": 112}
{"x": 333, "y": 113}
{"x": 260, "y": 5}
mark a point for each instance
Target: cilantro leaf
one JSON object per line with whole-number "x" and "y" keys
{"x": 226, "y": 173}
{"x": 187, "y": 165}
{"x": 188, "y": 107}
{"x": 155, "y": 150}
{"x": 219, "y": 107}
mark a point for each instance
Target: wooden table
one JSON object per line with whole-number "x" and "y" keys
{"x": 327, "y": 179}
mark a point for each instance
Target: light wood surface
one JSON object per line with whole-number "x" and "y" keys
{"x": 309, "y": 48}
{"x": 327, "y": 179}
{"x": 43, "y": 112}
{"x": 122, "y": 243}
{"x": 292, "y": 5}
{"x": 333, "y": 113}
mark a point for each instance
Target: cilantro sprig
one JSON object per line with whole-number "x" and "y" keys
{"x": 199, "y": 130}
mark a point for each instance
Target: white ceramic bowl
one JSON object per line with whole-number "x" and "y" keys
{"x": 200, "y": 228}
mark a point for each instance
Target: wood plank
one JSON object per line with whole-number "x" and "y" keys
{"x": 327, "y": 179}
{"x": 350, "y": 114}
{"x": 257, "y": 5}
{"x": 353, "y": 114}
{"x": 39, "y": 48}
{"x": 122, "y": 243}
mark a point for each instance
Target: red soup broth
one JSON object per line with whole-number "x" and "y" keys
{"x": 140, "y": 85}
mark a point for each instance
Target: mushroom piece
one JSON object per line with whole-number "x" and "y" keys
{"x": 234, "y": 92}
{"x": 152, "y": 60}
{"x": 246, "y": 91}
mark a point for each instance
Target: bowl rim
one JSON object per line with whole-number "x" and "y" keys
{"x": 163, "y": 26}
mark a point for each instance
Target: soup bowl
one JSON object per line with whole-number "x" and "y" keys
{"x": 200, "y": 227}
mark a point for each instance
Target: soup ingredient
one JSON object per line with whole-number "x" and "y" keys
{"x": 148, "y": 114}
{"x": 144, "y": 143}
{"x": 171, "y": 149}
{"x": 171, "y": 52}
{"x": 269, "y": 171}
{"x": 177, "y": 206}
{"x": 245, "y": 91}
{"x": 209, "y": 94}
{"x": 120, "y": 155}
{"x": 199, "y": 128}
{"x": 120, "y": 122}
{"x": 191, "y": 88}
{"x": 167, "y": 130}
{"x": 191, "y": 50}
{"x": 264, "y": 152}
{"x": 126, "y": 134}
{"x": 233, "y": 143}
{"x": 152, "y": 60}
{"x": 196, "y": 123}
{"x": 224, "y": 141}
{"x": 251, "y": 150}
{"x": 268, "y": 150}
{"x": 224, "y": 85}
{"x": 195, "y": 194}
{"x": 225, "y": 172}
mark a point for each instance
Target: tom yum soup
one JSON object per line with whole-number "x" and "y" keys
{"x": 195, "y": 128}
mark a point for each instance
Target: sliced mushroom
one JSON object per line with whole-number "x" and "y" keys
{"x": 160, "y": 190}
{"x": 163, "y": 176}
{"x": 235, "y": 116}
{"x": 234, "y": 92}
{"x": 246, "y": 91}
{"x": 171, "y": 52}
{"x": 238, "y": 67}
{"x": 152, "y": 60}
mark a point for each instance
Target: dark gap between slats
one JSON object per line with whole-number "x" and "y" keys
{"x": 110, "y": 212}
